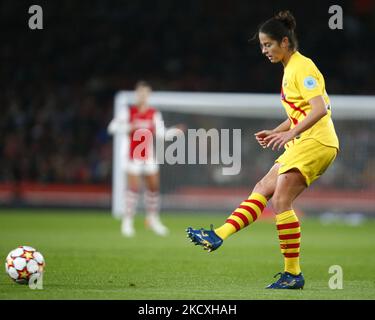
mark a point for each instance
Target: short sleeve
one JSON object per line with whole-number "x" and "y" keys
{"x": 120, "y": 124}
{"x": 309, "y": 82}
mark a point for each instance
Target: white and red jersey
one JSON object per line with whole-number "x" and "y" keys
{"x": 146, "y": 121}
{"x": 141, "y": 126}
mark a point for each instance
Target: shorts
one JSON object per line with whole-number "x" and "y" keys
{"x": 309, "y": 156}
{"x": 142, "y": 167}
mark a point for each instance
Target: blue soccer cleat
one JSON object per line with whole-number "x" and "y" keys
{"x": 208, "y": 239}
{"x": 288, "y": 281}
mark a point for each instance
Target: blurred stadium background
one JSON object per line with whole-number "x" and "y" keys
{"x": 58, "y": 86}
{"x": 57, "y": 91}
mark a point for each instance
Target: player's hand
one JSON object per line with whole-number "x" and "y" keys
{"x": 279, "y": 139}
{"x": 261, "y": 135}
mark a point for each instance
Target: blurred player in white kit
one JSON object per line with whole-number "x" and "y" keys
{"x": 143, "y": 124}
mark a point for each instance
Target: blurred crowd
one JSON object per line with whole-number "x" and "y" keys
{"x": 58, "y": 84}
{"x": 354, "y": 167}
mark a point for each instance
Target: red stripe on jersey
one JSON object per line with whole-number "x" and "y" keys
{"x": 234, "y": 224}
{"x": 290, "y": 236}
{"x": 294, "y": 120}
{"x": 288, "y": 225}
{"x": 292, "y": 105}
{"x": 242, "y": 217}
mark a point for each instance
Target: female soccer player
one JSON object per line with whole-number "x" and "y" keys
{"x": 142, "y": 119}
{"x": 310, "y": 143}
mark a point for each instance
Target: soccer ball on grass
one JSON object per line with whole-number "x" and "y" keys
{"x": 24, "y": 262}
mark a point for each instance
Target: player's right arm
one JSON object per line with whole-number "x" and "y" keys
{"x": 121, "y": 123}
{"x": 284, "y": 126}
{"x": 119, "y": 126}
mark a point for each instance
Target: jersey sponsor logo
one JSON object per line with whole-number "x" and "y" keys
{"x": 310, "y": 82}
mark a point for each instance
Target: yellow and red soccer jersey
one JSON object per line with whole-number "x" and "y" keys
{"x": 303, "y": 81}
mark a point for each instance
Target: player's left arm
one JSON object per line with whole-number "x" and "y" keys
{"x": 318, "y": 111}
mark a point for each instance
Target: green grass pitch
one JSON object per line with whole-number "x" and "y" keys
{"x": 87, "y": 258}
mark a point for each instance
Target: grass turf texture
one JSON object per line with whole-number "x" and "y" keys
{"x": 87, "y": 258}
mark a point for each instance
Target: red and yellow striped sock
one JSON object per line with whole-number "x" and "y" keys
{"x": 289, "y": 231}
{"x": 246, "y": 213}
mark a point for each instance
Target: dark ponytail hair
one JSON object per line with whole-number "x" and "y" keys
{"x": 283, "y": 24}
